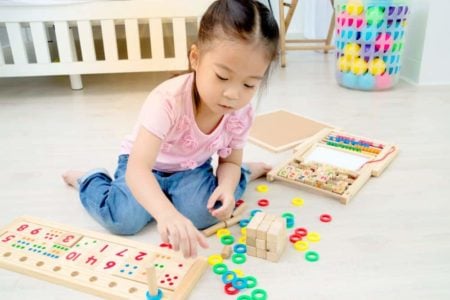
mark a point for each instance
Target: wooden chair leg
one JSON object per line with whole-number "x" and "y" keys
{"x": 330, "y": 28}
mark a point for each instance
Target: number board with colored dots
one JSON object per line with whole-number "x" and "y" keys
{"x": 104, "y": 265}
{"x": 335, "y": 163}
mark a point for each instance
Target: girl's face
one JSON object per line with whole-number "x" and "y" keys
{"x": 228, "y": 74}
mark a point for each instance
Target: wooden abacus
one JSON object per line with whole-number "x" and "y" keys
{"x": 100, "y": 264}
{"x": 335, "y": 163}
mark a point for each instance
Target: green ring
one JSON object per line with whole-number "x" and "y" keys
{"x": 312, "y": 256}
{"x": 220, "y": 268}
{"x": 238, "y": 258}
{"x": 259, "y": 294}
{"x": 251, "y": 281}
{"x": 244, "y": 297}
{"x": 288, "y": 214}
{"x": 227, "y": 239}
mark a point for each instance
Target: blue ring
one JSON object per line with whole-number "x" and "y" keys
{"x": 240, "y": 248}
{"x": 157, "y": 297}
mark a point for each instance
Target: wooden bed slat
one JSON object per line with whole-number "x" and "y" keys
{"x": 179, "y": 38}
{"x": 17, "y": 43}
{"x": 156, "y": 38}
{"x": 109, "y": 40}
{"x": 63, "y": 39}
{"x": 132, "y": 37}
{"x": 40, "y": 42}
{"x": 86, "y": 41}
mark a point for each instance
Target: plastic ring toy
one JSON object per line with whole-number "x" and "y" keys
{"x": 154, "y": 297}
{"x": 230, "y": 289}
{"x": 297, "y": 201}
{"x": 254, "y": 212}
{"x": 259, "y": 294}
{"x": 227, "y": 239}
{"x": 325, "y": 218}
{"x": 223, "y": 231}
{"x": 243, "y": 239}
{"x": 312, "y": 256}
{"x": 244, "y": 297}
{"x": 301, "y": 246}
{"x": 263, "y": 202}
{"x": 313, "y": 237}
{"x": 262, "y": 188}
{"x": 239, "y": 273}
{"x": 288, "y": 215}
{"x": 295, "y": 238}
{"x": 251, "y": 281}
{"x": 240, "y": 248}
{"x": 238, "y": 258}
{"x": 239, "y": 283}
{"x": 244, "y": 222}
{"x": 239, "y": 202}
{"x": 215, "y": 259}
{"x": 244, "y": 230}
{"x": 301, "y": 231}
{"x": 226, "y": 277}
{"x": 220, "y": 268}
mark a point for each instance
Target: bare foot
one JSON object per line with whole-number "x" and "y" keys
{"x": 258, "y": 169}
{"x": 70, "y": 178}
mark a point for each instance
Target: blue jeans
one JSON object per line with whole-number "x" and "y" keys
{"x": 112, "y": 204}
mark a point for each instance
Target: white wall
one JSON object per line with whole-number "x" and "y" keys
{"x": 426, "y": 60}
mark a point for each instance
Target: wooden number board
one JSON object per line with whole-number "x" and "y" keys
{"x": 104, "y": 265}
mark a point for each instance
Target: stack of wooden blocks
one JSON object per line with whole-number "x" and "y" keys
{"x": 266, "y": 236}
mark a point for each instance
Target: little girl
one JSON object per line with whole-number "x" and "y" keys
{"x": 164, "y": 169}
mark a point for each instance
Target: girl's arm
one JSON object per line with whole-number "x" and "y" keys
{"x": 172, "y": 225}
{"x": 228, "y": 176}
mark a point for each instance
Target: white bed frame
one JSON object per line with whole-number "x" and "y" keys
{"x": 64, "y": 19}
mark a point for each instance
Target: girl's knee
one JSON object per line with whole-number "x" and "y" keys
{"x": 125, "y": 227}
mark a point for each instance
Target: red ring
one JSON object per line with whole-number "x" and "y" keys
{"x": 295, "y": 238}
{"x": 263, "y": 202}
{"x": 230, "y": 289}
{"x": 165, "y": 245}
{"x": 239, "y": 202}
{"x": 301, "y": 232}
{"x": 325, "y": 218}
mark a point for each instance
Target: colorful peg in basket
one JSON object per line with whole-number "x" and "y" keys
{"x": 153, "y": 292}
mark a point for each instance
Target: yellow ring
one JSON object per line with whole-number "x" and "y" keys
{"x": 244, "y": 230}
{"x": 243, "y": 239}
{"x": 239, "y": 272}
{"x": 215, "y": 259}
{"x": 262, "y": 188}
{"x": 301, "y": 246}
{"x": 297, "y": 201}
{"x": 223, "y": 231}
{"x": 313, "y": 237}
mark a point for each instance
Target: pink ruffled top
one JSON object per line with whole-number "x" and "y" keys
{"x": 168, "y": 113}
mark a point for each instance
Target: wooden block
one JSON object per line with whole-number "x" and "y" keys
{"x": 261, "y": 244}
{"x": 68, "y": 239}
{"x": 272, "y": 246}
{"x": 261, "y": 232}
{"x": 251, "y": 250}
{"x": 226, "y": 252}
{"x": 273, "y": 257}
{"x": 250, "y": 241}
{"x": 261, "y": 253}
{"x": 254, "y": 223}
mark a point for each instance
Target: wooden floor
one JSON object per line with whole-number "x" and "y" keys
{"x": 391, "y": 242}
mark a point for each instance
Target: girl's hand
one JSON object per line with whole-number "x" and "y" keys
{"x": 179, "y": 231}
{"x": 225, "y": 197}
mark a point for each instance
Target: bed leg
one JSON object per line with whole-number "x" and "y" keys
{"x": 75, "y": 82}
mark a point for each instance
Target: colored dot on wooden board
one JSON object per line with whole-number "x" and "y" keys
{"x": 262, "y": 188}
